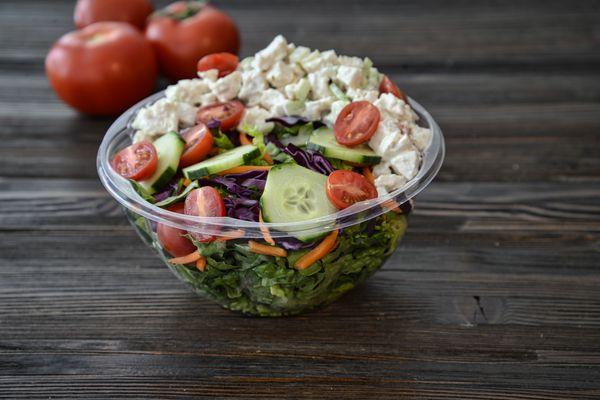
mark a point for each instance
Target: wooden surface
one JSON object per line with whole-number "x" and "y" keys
{"x": 494, "y": 293}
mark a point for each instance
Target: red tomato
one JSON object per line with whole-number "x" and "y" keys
{"x": 356, "y": 123}
{"x": 345, "y": 188}
{"x": 387, "y": 86}
{"x": 204, "y": 202}
{"x": 137, "y": 162}
{"x": 172, "y": 238}
{"x": 134, "y": 12}
{"x": 226, "y": 63}
{"x": 229, "y": 114}
{"x": 185, "y": 32}
{"x": 102, "y": 69}
{"x": 198, "y": 143}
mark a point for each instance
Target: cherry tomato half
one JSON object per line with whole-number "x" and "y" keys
{"x": 226, "y": 63}
{"x": 198, "y": 143}
{"x": 204, "y": 202}
{"x": 345, "y": 188}
{"x": 356, "y": 123}
{"x": 172, "y": 239}
{"x": 229, "y": 114}
{"x": 387, "y": 86}
{"x": 137, "y": 161}
{"x": 133, "y": 12}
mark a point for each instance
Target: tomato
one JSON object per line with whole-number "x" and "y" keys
{"x": 172, "y": 239}
{"x": 137, "y": 162}
{"x": 356, "y": 123}
{"x": 387, "y": 86}
{"x": 204, "y": 202}
{"x": 185, "y": 32}
{"x": 228, "y": 114}
{"x": 134, "y": 12}
{"x": 226, "y": 63}
{"x": 345, "y": 188}
{"x": 198, "y": 143}
{"x": 102, "y": 69}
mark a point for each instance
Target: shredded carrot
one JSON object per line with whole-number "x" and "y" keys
{"x": 190, "y": 258}
{"x": 264, "y": 230}
{"x": 201, "y": 264}
{"x": 245, "y": 168}
{"x": 244, "y": 139}
{"x": 258, "y": 248}
{"x": 187, "y": 182}
{"x": 318, "y": 252}
{"x": 267, "y": 158}
{"x": 231, "y": 235}
{"x": 368, "y": 173}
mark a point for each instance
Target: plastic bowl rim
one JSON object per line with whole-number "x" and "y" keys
{"x": 122, "y": 191}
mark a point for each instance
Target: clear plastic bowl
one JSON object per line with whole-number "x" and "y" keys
{"x": 265, "y": 285}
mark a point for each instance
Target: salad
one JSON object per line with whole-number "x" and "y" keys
{"x": 290, "y": 135}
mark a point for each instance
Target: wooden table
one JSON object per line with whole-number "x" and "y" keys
{"x": 494, "y": 293}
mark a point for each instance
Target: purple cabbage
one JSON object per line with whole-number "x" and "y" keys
{"x": 243, "y": 190}
{"x": 213, "y": 123}
{"x": 254, "y": 182}
{"x": 242, "y": 208}
{"x": 169, "y": 190}
{"x": 289, "y": 243}
{"x": 257, "y": 174}
{"x": 288, "y": 121}
{"x": 310, "y": 159}
{"x": 307, "y": 158}
{"x": 234, "y": 137}
{"x": 228, "y": 184}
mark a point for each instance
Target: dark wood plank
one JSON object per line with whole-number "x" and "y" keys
{"x": 431, "y": 32}
{"x": 313, "y": 387}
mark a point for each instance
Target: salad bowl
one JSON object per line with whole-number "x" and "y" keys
{"x": 277, "y": 185}
{"x": 263, "y": 285}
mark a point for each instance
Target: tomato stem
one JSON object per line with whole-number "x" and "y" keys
{"x": 181, "y": 10}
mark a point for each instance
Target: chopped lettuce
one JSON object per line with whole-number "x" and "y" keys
{"x": 142, "y": 191}
{"x": 221, "y": 140}
{"x": 264, "y": 285}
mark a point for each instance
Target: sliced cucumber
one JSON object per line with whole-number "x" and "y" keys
{"x": 323, "y": 140}
{"x": 168, "y": 148}
{"x": 169, "y": 201}
{"x": 301, "y": 138}
{"x": 294, "y": 194}
{"x": 232, "y": 158}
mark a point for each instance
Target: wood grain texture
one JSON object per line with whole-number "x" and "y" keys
{"x": 432, "y": 32}
{"x": 493, "y": 293}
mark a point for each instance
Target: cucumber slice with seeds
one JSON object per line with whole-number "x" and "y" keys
{"x": 232, "y": 158}
{"x": 323, "y": 141}
{"x": 168, "y": 148}
{"x": 294, "y": 194}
